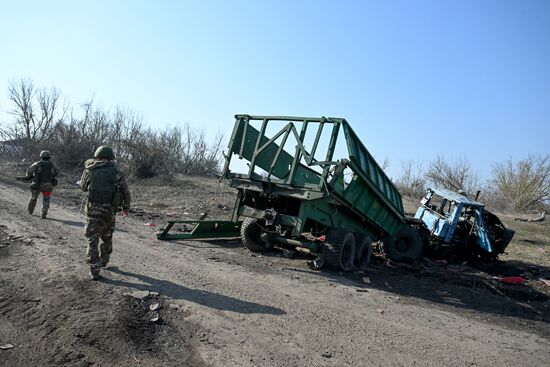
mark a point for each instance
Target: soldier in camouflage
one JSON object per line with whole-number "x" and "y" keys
{"x": 107, "y": 191}
{"x": 42, "y": 175}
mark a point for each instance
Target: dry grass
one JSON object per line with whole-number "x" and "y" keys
{"x": 531, "y": 242}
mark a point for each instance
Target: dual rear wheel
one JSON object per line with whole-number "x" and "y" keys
{"x": 345, "y": 250}
{"x": 342, "y": 249}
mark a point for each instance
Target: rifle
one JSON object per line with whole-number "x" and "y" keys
{"x": 24, "y": 179}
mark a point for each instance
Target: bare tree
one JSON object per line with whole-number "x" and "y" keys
{"x": 21, "y": 93}
{"x": 522, "y": 185}
{"x": 412, "y": 181}
{"x": 453, "y": 174}
{"x": 35, "y": 110}
{"x": 42, "y": 121}
{"x": 385, "y": 164}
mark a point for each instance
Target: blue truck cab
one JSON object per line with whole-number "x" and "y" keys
{"x": 454, "y": 220}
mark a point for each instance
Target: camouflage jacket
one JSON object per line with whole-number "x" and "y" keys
{"x": 92, "y": 164}
{"x": 34, "y": 173}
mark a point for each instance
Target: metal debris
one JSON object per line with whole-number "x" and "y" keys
{"x": 155, "y": 318}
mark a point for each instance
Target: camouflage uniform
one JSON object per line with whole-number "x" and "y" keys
{"x": 100, "y": 217}
{"x": 41, "y": 174}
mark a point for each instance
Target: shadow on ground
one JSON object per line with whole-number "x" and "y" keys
{"x": 67, "y": 222}
{"x": 468, "y": 291}
{"x": 179, "y": 292}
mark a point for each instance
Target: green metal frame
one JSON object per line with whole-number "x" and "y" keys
{"x": 202, "y": 229}
{"x": 369, "y": 204}
{"x": 371, "y": 201}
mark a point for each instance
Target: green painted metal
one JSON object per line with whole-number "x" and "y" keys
{"x": 370, "y": 203}
{"x": 201, "y": 229}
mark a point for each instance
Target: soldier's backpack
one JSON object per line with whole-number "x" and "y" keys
{"x": 103, "y": 184}
{"x": 44, "y": 173}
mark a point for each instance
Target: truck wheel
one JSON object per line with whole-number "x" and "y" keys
{"x": 251, "y": 229}
{"x": 363, "y": 251}
{"x": 405, "y": 246}
{"x": 339, "y": 249}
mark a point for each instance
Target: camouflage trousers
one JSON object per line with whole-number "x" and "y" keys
{"x": 100, "y": 225}
{"x": 45, "y": 201}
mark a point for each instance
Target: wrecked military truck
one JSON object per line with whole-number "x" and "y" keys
{"x": 457, "y": 226}
{"x": 293, "y": 193}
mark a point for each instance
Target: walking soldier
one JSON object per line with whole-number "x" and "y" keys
{"x": 107, "y": 191}
{"x": 42, "y": 175}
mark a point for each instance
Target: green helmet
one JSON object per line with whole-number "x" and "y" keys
{"x": 104, "y": 152}
{"x": 45, "y": 154}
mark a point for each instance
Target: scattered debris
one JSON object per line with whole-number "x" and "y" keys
{"x": 326, "y": 355}
{"x": 539, "y": 219}
{"x": 155, "y": 318}
{"x": 152, "y": 225}
{"x": 545, "y": 281}
{"x": 380, "y": 310}
{"x": 512, "y": 280}
{"x": 362, "y": 290}
{"x": 154, "y": 306}
{"x": 6, "y": 346}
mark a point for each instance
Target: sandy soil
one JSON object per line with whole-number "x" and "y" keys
{"x": 220, "y": 305}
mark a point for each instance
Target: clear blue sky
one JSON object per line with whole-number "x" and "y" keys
{"x": 414, "y": 78}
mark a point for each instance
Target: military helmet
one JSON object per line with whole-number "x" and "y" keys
{"x": 45, "y": 154}
{"x": 104, "y": 152}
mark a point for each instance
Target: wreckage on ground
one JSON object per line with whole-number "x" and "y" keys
{"x": 457, "y": 226}
{"x": 293, "y": 193}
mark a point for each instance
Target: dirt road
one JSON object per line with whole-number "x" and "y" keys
{"x": 221, "y": 306}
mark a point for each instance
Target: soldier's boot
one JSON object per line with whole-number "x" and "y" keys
{"x": 104, "y": 263}
{"x": 45, "y": 206}
{"x": 94, "y": 272}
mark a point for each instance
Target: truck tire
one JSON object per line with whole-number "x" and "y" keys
{"x": 405, "y": 246}
{"x": 339, "y": 249}
{"x": 363, "y": 251}
{"x": 251, "y": 230}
